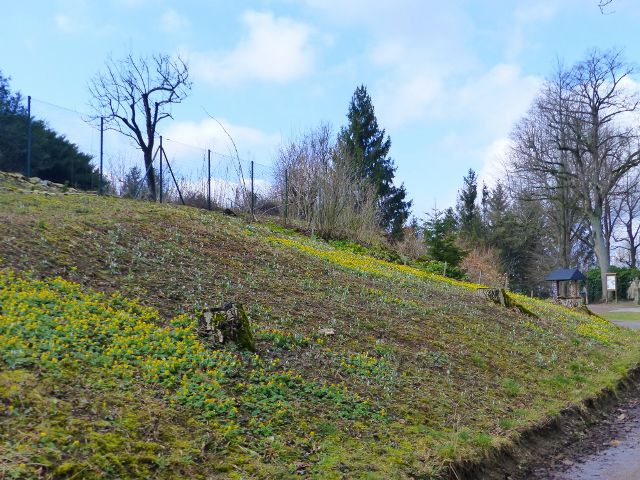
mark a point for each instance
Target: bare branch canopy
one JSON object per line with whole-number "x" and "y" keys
{"x": 134, "y": 94}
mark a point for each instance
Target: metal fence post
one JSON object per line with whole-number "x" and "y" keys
{"x": 286, "y": 196}
{"x": 253, "y": 198}
{"x": 101, "y": 153}
{"x": 161, "y": 180}
{"x": 29, "y": 136}
{"x": 209, "y": 179}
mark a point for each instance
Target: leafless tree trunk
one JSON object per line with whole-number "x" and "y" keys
{"x": 135, "y": 94}
{"x": 576, "y": 133}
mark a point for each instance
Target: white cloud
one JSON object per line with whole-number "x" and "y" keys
{"x": 64, "y": 23}
{"x": 524, "y": 17}
{"x": 172, "y": 21}
{"x": 406, "y": 101}
{"x": 208, "y": 134}
{"x": 274, "y": 49}
{"x": 494, "y": 158}
{"x": 495, "y": 99}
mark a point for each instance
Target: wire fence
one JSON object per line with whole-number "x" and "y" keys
{"x": 193, "y": 175}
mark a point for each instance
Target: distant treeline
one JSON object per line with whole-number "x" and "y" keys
{"x": 53, "y": 157}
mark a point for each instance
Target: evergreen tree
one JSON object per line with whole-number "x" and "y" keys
{"x": 468, "y": 214}
{"x": 484, "y": 203}
{"x": 368, "y": 151}
{"x": 440, "y": 233}
{"x": 53, "y": 156}
{"x": 132, "y": 185}
{"x": 10, "y": 103}
{"x": 515, "y": 228}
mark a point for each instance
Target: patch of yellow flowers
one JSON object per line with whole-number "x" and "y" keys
{"x": 54, "y": 324}
{"x": 587, "y": 326}
{"x": 368, "y": 264}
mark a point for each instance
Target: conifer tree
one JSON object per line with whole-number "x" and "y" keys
{"x": 440, "y": 233}
{"x": 368, "y": 152}
{"x": 468, "y": 214}
{"x": 54, "y": 157}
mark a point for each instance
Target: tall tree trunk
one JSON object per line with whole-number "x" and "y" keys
{"x": 633, "y": 248}
{"x": 151, "y": 174}
{"x": 600, "y": 249}
{"x": 565, "y": 237}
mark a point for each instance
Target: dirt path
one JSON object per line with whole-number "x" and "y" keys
{"x": 611, "y": 449}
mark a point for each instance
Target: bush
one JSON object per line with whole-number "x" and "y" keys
{"x": 483, "y": 265}
{"x": 440, "y": 268}
{"x": 324, "y": 191}
{"x": 625, "y": 277}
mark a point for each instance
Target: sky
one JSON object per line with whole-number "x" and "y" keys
{"x": 448, "y": 79}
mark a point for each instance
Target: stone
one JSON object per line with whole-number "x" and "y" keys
{"x": 327, "y": 331}
{"x": 228, "y": 323}
{"x": 633, "y": 292}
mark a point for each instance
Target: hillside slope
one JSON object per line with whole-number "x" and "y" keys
{"x": 364, "y": 369}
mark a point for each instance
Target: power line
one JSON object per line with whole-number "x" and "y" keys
{"x": 62, "y": 108}
{"x": 96, "y": 127}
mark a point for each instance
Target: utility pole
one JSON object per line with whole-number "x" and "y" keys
{"x": 29, "y": 136}
{"x": 161, "y": 153}
{"x": 253, "y": 198}
{"x": 101, "y": 153}
{"x": 209, "y": 179}
{"x": 286, "y": 196}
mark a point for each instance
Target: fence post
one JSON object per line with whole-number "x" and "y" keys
{"x": 286, "y": 196}
{"x": 209, "y": 179}
{"x": 161, "y": 180}
{"x": 253, "y": 198}
{"x": 101, "y": 153}
{"x": 29, "y": 136}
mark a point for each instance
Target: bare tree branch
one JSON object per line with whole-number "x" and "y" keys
{"x": 134, "y": 94}
{"x": 577, "y": 140}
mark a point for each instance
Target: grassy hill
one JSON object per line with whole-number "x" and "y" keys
{"x": 364, "y": 368}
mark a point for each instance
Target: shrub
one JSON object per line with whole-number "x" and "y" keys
{"x": 625, "y": 277}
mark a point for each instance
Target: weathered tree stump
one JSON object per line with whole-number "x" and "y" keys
{"x": 496, "y": 295}
{"x": 228, "y": 323}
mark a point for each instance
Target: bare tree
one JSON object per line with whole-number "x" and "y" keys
{"x": 324, "y": 190}
{"x": 134, "y": 94}
{"x": 578, "y": 133}
{"x": 626, "y": 205}
{"x": 535, "y": 181}
{"x": 304, "y": 159}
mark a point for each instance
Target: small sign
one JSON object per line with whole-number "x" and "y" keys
{"x": 611, "y": 281}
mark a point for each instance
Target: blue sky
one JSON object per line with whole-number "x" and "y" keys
{"x": 448, "y": 78}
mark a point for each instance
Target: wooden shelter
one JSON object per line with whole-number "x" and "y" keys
{"x": 567, "y": 288}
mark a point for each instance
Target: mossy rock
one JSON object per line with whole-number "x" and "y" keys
{"x": 228, "y": 323}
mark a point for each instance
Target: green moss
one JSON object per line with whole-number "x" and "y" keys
{"x": 68, "y": 469}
